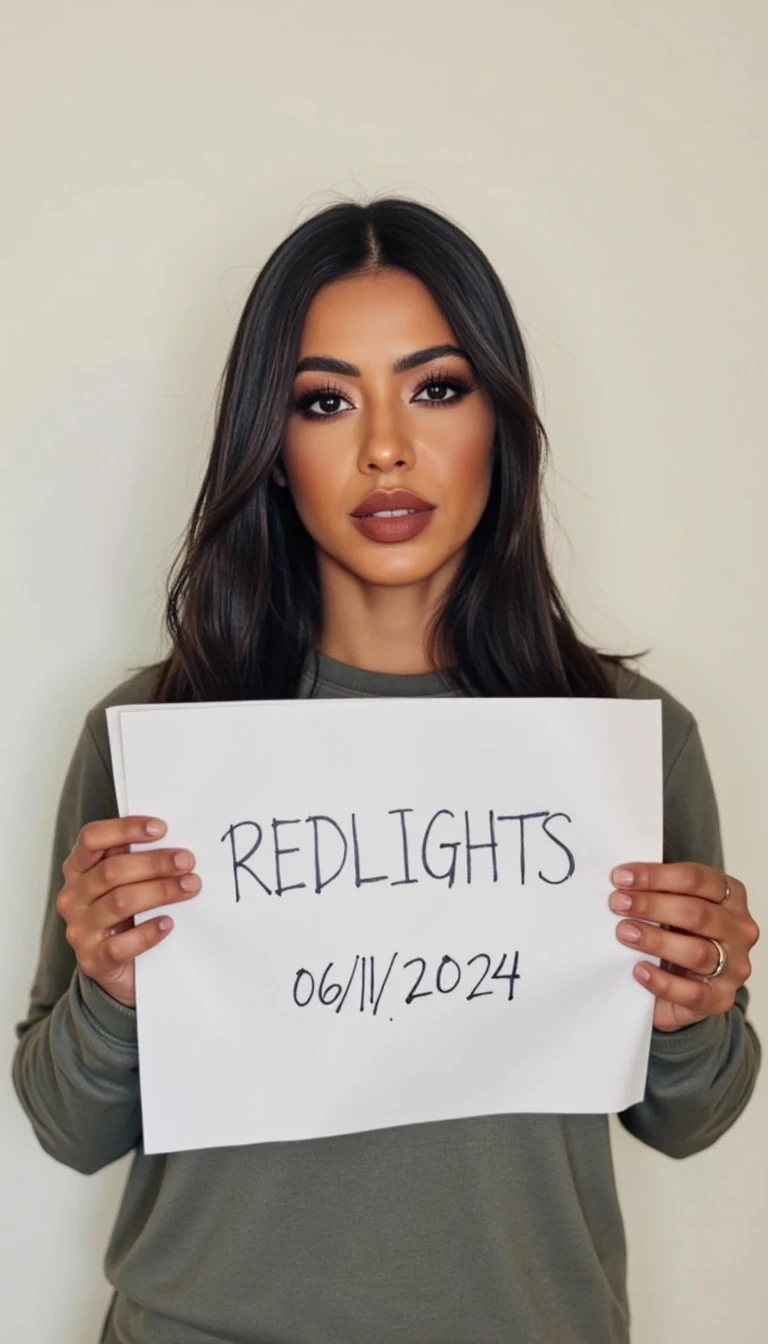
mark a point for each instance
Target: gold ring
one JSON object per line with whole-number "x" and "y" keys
{"x": 722, "y": 959}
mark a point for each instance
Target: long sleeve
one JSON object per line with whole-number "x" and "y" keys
{"x": 75, "y": 1068}
{"x": 701, "y": 1078}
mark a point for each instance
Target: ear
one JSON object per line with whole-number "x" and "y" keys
{"x": 279, "y": 477}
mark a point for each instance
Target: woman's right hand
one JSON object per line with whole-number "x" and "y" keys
{"x": 105, "y": 886}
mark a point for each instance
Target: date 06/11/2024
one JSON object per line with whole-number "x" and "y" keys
{"x": 364, "y": 984}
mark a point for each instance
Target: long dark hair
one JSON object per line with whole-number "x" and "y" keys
{"x": 244, "y": 604}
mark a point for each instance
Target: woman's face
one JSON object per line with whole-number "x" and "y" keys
{"x": 387, "y": 450}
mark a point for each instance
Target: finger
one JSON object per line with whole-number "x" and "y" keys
{"x": 118, "y": 870}
{"x": 685, "y": 879}
{"x": 98, "y": 836}
{"x": 681, "y": 949}
{"x": 702, "y": 998}
{"x": 116, "y": 950}
{"x": 126, "y": 902}
{"x": 679, "y": 912}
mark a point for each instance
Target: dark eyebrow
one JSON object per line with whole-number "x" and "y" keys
{"x": 324, "y": 363}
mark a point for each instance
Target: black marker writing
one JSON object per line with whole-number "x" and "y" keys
{"x": 448, "y": 976}
{"x": 450, "y": 874}
{"x": 522, "y": 817}
{"x": 242, "y": 862}
{"x": 489, "y": 844}
{"x": 416, "y": 849}
{"x": 359, "y": 879}
{"x": 556, "y": 881}
{"x": 315, "y": 823}
{"x": 406, "y": 880}
{"x": 280, "y": 886}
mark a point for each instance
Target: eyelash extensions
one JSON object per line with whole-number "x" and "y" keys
{"x": 303, "y": 402}
{"x": 457, "y": 384}
{"x": 453, "y": 382}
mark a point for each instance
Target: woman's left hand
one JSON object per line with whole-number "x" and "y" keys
{"x": 697, "y": 908}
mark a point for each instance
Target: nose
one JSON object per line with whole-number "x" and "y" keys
{"x": 384, "y": 446}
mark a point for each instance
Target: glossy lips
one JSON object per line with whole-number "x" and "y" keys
{"x": 374, "y": 515}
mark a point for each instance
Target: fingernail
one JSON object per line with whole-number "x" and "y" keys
{"x": 629, "y": 933}
{"x": 184, "y": 859}
{"x": 623, "y": 877}
{"x": 643, "y": 974}
{"x": 155, "y": 828}
{"x": 190, "y": 883}
{"x": 165, "y": 925}
{"x": 620, "y": 901}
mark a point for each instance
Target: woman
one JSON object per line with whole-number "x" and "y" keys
{"x": 369, "y": 524}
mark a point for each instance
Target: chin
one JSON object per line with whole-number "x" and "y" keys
{"x": 396, "y": 570}
{"x": 398, "y": 578}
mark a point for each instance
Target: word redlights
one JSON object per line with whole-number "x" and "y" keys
{"x": 292, "y": 854}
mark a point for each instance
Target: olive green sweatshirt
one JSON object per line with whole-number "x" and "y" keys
{"x": 494, "y": 1230}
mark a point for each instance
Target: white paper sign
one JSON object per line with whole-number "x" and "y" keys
{"x": 404, "y": 911}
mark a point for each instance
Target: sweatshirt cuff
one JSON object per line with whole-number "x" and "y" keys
{"x": 688, "y": 1041}
{"x": 110, "y": 1017}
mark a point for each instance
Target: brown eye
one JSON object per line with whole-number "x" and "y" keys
{"x": 327, "y": 404}
{"x": 441, "y": 391}
{"x": 436, "y": 392}
{"x": 321, "y": 404}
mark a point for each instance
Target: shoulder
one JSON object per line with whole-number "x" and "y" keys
{"x": 135, "y": 690}
{"x": 88, "y": 792}
{"x": 677, "y": 722}
{"x": 691, "y": 817}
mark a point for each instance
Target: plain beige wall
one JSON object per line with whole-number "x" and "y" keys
{"x": 609, "y": 155}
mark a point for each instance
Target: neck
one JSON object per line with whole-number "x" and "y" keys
{"x": 380, "y": 628}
